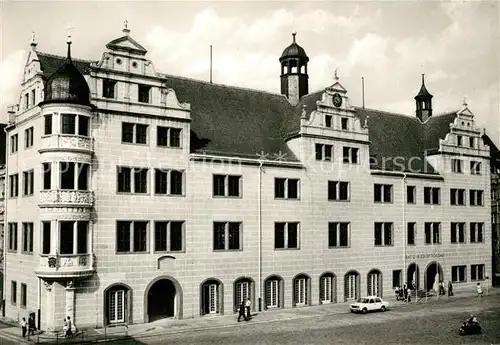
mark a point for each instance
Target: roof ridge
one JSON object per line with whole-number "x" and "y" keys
{"x": 63, "y": 57}
{"x": 384, "y": 111}
{"x": 450, "y": 112}
{"x": 218, "y": 84}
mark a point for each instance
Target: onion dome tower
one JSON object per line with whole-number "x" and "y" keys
{"x": 294, "y": 78}
{"x": 423, "y": 103}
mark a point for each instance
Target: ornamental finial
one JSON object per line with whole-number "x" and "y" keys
{"x": 294, "y": 34}
{"x": 68, "y": 39}
{"x": 464, "y": 103}
{"x": 125, "y": 27}
{"x": 335, "y": 76}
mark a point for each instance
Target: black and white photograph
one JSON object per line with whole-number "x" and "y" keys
{"x": 250, "y": 172}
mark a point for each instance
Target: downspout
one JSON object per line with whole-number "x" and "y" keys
{"x": 405, "y": 230}
{"x": 259, "y": 215}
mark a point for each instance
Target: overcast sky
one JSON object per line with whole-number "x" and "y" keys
{"x": 456, "y": 44}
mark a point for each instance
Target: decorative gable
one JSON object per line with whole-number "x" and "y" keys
{"x": 126, "y": 44}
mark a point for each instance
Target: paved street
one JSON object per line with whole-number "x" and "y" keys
{"x": 435, "y": 323}
{"x": 6, "y": 341}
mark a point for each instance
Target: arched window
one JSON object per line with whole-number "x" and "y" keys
{"x": 374, "y": 283}
{"x": 327, "y": 288}
{"x": 273, "y": 292}
{"x": 243, "y": 289}
{"x": 118, "y": 300}
{"x": 211, "y": 297}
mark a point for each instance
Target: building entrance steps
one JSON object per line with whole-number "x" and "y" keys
{"x": 166, "y": 326}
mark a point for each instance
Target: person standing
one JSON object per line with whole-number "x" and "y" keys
{"x": 23, "y": 326}
{"x": 450, "y": 288}
{"x": 248, "y": 307}
{"x": 241, "y": 312}
{"x": 479, "y": 290}
{"x": 31, "y": 324}
{"x": 69, "y": 332}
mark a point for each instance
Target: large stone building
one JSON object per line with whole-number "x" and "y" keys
{"x": 134, "y": 195}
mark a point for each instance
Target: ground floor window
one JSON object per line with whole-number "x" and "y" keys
{"x": 242, "y": 292}
{"x": 351, "y": 284}
{"x": 476, "y": 272}
{"x": 327, "y": 291}
{"x": 211, "y": 298}
{"x": 396, "y": 278}
{"x": 117, "y": 304}
{"x": 374, "y": 283}
{"x": 273, "y": 292}
{"x": 458, "y": 274}
{"x": 300, "y": 290}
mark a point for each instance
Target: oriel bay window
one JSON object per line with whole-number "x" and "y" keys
{"x": 169, "y": 182}
{"x": 131, "y": 236}
{"x": 73, "y": 237}
{"x": 169, "y": 236}
{"x": 227, "y": 236}
{"x": 46, "y": 176}
{"x": 286, "y": 235}
{"x": 47, "y": 124}
{"x": 73, "y": 175}
{"x": 46, "y": 236}
{"x": 383, "y": 234}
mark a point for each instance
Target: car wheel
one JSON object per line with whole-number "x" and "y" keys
{"x": 383, "y": 308}
{"x": 365, "y": 310}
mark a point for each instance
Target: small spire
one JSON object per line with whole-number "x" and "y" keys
{"x": 335, "y": 75}
{"x": 294, "y": 34}
{"x": 423, "y": 78}
{"x": 33, "y": 42}
{"x": 464, "y": 103}
{"x": 68, "y": 41}
{"x": 125, "y": 30}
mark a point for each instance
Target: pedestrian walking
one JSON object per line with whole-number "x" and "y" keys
{"x": 31, "y": 324}
{"x": 23, "y": 326}
{"x": 241, "y": 312}
{"x": 450, "y": 289}
{"x": 408, "y": 295}
{"x": 248, "y": 307}
{"x": 405, "y": 291}
{"x": 479, "y": 290}
{"x": 69, "y": 332}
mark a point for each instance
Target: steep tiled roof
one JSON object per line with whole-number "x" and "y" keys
{"x": 50, "y": 63}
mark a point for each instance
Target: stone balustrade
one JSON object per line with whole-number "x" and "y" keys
{"x": 55, "y": 197}
{"x": 67, "y": 142}
{"x": 65, "y": 265}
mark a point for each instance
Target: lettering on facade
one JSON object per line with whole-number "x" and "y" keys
{"x": 424, "y": 256}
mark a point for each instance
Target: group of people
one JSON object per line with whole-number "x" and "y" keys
{"x": 403, "y": 293}
{"x": 28, "y": 326}
{"x": 245, "y": 310}
{"x": 68, "y": 328}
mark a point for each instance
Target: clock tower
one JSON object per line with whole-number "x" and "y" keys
{"x": 294, "y": 78}
{"x": 423, "y": 103}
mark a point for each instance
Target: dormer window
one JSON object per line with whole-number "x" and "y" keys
{"x": 108, "y": 88}
{"x": 144, "y": 91}
{"x": 328, "y": 121}
{"x": 344, "y": 123}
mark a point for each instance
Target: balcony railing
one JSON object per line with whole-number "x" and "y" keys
{"x": 67, "y": 142}
{"x": 55, "y": 197}
{"x": 66, "y": 265}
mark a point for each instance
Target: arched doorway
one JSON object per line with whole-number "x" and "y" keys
{"x": 374, "y": 283}
{"x": 327, "y": 288}
{"x": 351, "y": 286}
{"x": 212, "y": 297}
{"x": 161, "y": 300}
{"x": 433, "y": 275}
{"x": 274, "y": 296}
{"x": 413, "y": 276}
{"x": 243, "y": 289}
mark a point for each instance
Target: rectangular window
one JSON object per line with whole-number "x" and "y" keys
{"x": 134, "y": 133}
{"x": 286, "y": 235}
{"x": 131, "y": 236}
{"x": 12, "y": 236}
{"x": 457, "y": 166}
{"x": 477, "y": 272}
{"x": 168, "y": 136}
{"x": 141, "y": 133}
{"x": 432, "y": 195}
{"x": 475, "y": 168}
{"x": 82, "y": 231}
{"x": 476, "y": 232}
{"x": 46, "y": 237}
{"x": 457, "y": 196}
{"x": 286, "y": 188}
{"x": 457, "y": 232}
{"x": 471, "y": 142}
{"x": 67, "y": 175}
{"x": 83, "y": 125}
{"x": 432, "y": 233}
{"x": 350, "y": 155}
{"x": 459, "y": 140}
{"x": 13, "y": 143}
{"x": 458, "y": 274}
{"x": 476, "y": 197}
{"x": 108, "y": 88}
{"x": 127, "y": 132}
{"x": 47, "y": 175}
{"x": 124, "y": 178}
{"x": 382, "y": 192}
{"x": 227, "y": 236}
{"x": 411, "y": 194}
{"x": 169, "y": 236}
{"x": 338, "y": 191}
{"x": 23, "y": 295}
{"x": 47, "y": 124}
{"x": 161, "y": 181}
{"x": 383, "y": 234}
{"x": 411, "y": 233}
{"x": 83, "y": 176}
{"x": 28, "y": 137}
{"x": 328, "y": 121}
{"x": 14, "y": 185}
{"x": 68, "y": 124}
{"x": 161, "y": 136}
{"x": 27, "y": 238}
{"x": 66, "y": 237}
{"x": 344, "y": 123}
{"x": 140, "y": 180}
{"x": 175, "y": 137}
{"x": 396, "y": 278}
{"x": 144, "y": 91}
{"x": 324, "y": 152}
{"x": 227, "y": 185}
{"x": 28, "y": 182}
{"x": 13, "y": 292}
{"x": 338, "y": 234}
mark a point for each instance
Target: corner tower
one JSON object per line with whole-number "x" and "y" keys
{"x": 294, "y": 78}
{"x": 423, "y": 103}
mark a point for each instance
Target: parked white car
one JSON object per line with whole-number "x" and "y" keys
{"x": 370, "y": 303}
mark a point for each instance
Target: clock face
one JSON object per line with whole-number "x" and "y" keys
{"x": 337, "y": 100}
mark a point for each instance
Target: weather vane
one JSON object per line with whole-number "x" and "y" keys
{"x": 336, "y": 75}
{"x": 125, "y": 23}
{"x": 69, "y": 33}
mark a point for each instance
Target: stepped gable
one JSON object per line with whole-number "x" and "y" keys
{"x": 50, "y": 63}
{"x": 237, "y": 121}
{"x": 435, "y": 128}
